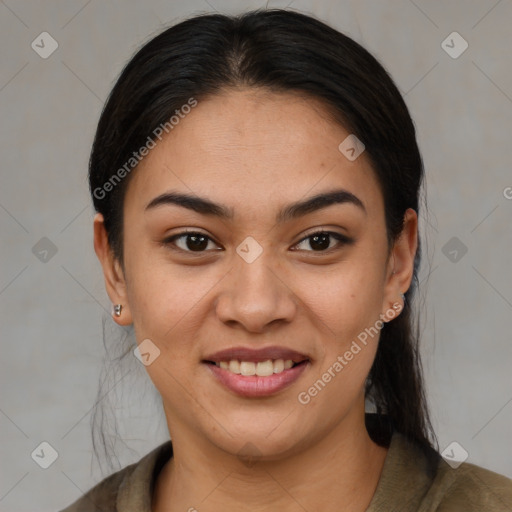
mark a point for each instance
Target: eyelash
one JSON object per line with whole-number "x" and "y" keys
{"x": 342, "y": 241}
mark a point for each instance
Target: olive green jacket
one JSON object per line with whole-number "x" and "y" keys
{"x": 406, "y": 485}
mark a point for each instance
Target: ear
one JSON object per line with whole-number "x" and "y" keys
{"x": 401, "y": 263}
{"x": 112, "y": 271}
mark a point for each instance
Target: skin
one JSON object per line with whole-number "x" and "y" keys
{"x": 255, "y": 152}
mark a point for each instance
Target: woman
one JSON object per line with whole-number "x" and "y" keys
{"x": 256, "y": 180}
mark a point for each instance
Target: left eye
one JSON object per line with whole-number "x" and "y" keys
{"x": 191, "y": 242}
{"x": 321, "y": 241}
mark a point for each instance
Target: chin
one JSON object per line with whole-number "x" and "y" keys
{"x": 265, "y": 440}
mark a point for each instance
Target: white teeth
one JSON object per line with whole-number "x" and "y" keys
{"x": 234, "y": 366}
{"x": 278, "y": 366}
{"x": 247, "y": 368}
{"x": 261, "y": 369}
{"x": 264, "y": 368}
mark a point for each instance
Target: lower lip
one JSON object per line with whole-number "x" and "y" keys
{"x": 253, "y": 386}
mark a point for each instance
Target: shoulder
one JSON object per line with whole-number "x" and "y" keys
{"x": 131, "y": 485}
{"x": 417, "y": 478}
{"x": 103, "y": 496}
{"x": 469, "y": 488}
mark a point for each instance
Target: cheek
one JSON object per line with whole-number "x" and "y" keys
{"x": 345, "y": 299}
{"x": 167, "y": 300}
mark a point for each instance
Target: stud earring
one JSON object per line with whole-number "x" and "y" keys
{"x": 116, "y": 310}
{"x": 402, "y": 296}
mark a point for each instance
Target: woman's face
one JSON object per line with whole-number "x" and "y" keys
{"x": 252, "y": 283}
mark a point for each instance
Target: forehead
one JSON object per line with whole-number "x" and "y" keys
{"x": 248, "y": 146}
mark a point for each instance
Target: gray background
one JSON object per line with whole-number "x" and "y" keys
{"x": 51, "y": 305}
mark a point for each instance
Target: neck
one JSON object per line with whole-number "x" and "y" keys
{"x": 340, "y": 472}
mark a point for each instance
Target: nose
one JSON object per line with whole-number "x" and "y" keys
{"x": 255, "y": 296}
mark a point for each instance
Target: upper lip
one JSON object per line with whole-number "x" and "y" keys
{"x": 256, "y": 355}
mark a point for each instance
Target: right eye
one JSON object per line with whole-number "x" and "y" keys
{"x": 190, "y": 241}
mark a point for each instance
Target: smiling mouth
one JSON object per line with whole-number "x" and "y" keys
{"x": 257, "y": 368}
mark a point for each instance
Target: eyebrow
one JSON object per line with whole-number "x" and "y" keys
{"x": 206, "y": 207}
